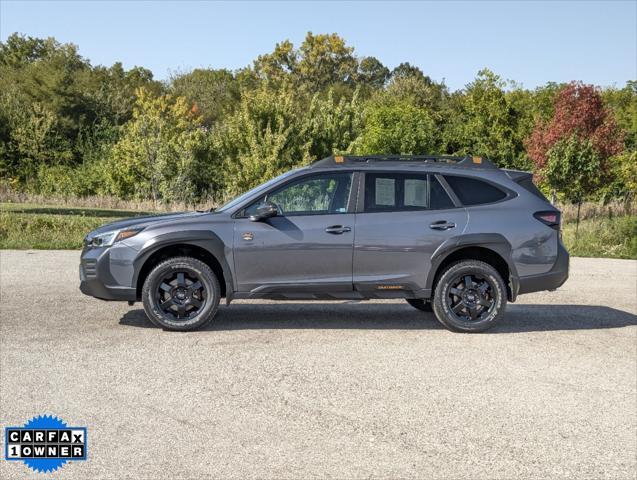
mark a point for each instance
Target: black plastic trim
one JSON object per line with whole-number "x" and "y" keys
{"x": 491, "y": 241}
{"x": 95, "y": 288}
{"x": 204, "y": 239}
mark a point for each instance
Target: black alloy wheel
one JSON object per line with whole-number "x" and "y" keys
{"x": 181, "y": 293}
{"x": 469, "y": 296}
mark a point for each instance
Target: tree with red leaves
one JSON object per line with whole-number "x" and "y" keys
{"x": 579, "y": 112}
{"x": 571, "y": 151}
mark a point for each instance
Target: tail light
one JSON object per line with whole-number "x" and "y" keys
{"x": 549, "y": 218}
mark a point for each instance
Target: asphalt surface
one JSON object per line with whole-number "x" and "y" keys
{"x": 344, "y": 390}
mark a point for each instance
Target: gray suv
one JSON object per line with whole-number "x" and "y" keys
{"x": 458, "y": 236}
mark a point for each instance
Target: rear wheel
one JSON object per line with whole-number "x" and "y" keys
{"x": 420, "y": 304}
{"x": 470, "y": 296}
{"x": 181, "y": 293}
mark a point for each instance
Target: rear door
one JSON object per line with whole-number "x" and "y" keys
{"x": 307, "y": 248}
{"x": 405, "y": 217}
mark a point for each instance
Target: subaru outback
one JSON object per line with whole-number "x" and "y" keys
{"x": 453, "y": 235}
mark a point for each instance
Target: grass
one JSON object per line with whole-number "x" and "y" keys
{"x": 614, "y": 237}
{"x": 26, "y": 226}
{"x": 104, "y": 202}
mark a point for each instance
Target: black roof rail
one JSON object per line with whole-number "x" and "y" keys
{"x": 467, "y": 161}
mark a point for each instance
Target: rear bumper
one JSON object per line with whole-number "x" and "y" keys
{"x": 550, "y": 280}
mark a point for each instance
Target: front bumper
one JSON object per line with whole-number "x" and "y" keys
{"x": 96, "y": 278}
{"x": 550, "y": 280}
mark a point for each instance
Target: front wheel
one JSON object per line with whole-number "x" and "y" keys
{"x": 181, "y": 293}
{"x": 470, "y": 296}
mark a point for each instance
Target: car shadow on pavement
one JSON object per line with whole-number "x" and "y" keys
{"x": 378, "y": 316}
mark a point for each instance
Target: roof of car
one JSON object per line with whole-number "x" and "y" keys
{"x": 467, "y": 161}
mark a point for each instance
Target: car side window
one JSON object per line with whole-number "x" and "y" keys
{"x": 438, "y": 196}
{"x": 471, "y": 191}
{"x": 316, "y": 195}
{"x": 386, "y": 192}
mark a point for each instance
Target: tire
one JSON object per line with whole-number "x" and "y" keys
{"x": 470, "y": 296}
{"x": 181, "y": 294}
{"x": 420, "y": 304}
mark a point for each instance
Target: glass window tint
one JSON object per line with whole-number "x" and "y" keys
{"x": 438, "y": 197}
{"x": 393, "y": 192}
{"x": 471, "y": 191}
{"x": 316, "y": 195}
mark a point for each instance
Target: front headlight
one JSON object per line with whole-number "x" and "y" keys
{"x": 107, "y": 239}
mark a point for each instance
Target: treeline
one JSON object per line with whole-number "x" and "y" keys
{"x": 70, "y": 128}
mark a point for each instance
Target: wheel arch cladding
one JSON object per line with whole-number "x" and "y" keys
{"x": 203, "y": 245}
{"x": 493, "y": 249}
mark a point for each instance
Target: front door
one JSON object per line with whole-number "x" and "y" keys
{"x": 405, "y": 218}
{"x": 305, "y": 249}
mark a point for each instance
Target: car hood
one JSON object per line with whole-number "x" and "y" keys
{"x": 145, "y": 221}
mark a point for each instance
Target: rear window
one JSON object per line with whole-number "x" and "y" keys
{"x": 472, "y": 191}
{"x": 527, "y": 183}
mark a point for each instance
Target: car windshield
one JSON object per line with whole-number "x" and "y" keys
{"x": 236, "y": 201}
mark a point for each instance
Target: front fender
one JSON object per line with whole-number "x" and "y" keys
{"x": 204, "y": 239}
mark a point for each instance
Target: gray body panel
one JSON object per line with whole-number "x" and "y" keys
{"x": 293, "y": 252}
{"x": 396, "y": 248}
{"x": 385, "y": 254}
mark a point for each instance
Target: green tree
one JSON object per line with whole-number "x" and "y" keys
{"x": 422, "y": 92}
{"x": 213, "y": 93}
{"x": 623, "y": 103}
{"x": 372, "y": 73}
{"x": 325, "y": 60}
{"x": 108, "y": 93}
{"x": 407, "y": 70}
{"x": 280, "y": 65}
{"x": 61, "y": 93}
{"x": 157, "y": 154}
{"x": 623, "y": 179}
{"x": 32, "y": 138}
{"x": 331, "y": 126}
{"x": 529, "y": 107}
{"x": 574, "y": 168}
{"x": 45, "y": 71}
{"x": 395, "y": 127}
{"x": 484, "y": 123}
{"x": 262, "y": 139}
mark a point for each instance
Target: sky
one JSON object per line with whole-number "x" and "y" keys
{"x": 526, "y": 41}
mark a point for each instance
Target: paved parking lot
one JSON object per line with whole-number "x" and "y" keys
{"x": 346, "y": 390}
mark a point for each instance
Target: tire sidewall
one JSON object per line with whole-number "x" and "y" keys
{"x": 197, "y": 268}
{"x": 442, "y": 310}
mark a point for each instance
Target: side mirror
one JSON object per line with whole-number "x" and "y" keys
{"x": 265, "y": 210}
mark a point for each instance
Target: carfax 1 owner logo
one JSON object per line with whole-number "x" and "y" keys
{"x": 45, "y": 443}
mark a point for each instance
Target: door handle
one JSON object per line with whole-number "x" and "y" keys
{"x": 442, "y": 225}
{"x": 338, "y": 229}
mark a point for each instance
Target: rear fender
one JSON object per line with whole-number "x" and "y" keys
{"x": 491, "y": 241}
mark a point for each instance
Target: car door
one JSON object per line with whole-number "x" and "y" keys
{"x": 307, "y": 247}
{"x": 403, "y": 219}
